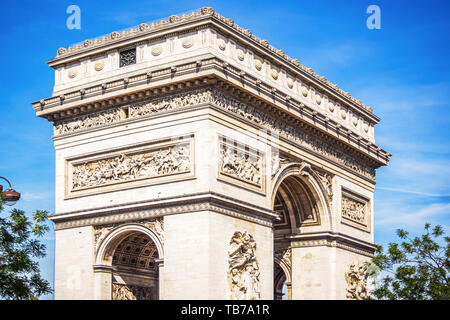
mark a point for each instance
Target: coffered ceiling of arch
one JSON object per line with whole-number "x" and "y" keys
{"x": 136, "y": 251}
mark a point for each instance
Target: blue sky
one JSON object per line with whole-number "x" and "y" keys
{"x": 401, "y": 71}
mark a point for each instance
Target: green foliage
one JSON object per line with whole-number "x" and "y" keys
{"x": 417, "y": 269}
{"x": 19, "y": 247}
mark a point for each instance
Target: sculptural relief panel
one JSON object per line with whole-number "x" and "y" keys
{"x": 243, "y": 268}
{"x": 355, "y": 210}
{"x": 356, "y": 277}
{"x": 121, "y": 291}
{"x": 240, "y": 164}
{"x": 147, "y": 164}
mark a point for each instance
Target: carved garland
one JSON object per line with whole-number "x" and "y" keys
{"x": 229, "y": 104}
{"x": 243, "y": 269}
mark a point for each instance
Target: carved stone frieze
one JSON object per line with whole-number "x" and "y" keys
{"x": 241, "y": 163}
{"x": 216, "y": 97}
{"x": 87, "y": 121}
{"x": 131, "y": 292}
{"x": 356, "y": 277}
{"x": 131, "y": 166}
{"x": 243, "y": 269}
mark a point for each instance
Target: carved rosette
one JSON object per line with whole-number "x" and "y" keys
{"x": 243, "y": 269}
{"x": 122, "y": 291}
{"x": 356, "y": 278}
{"x": 239, "y": 163}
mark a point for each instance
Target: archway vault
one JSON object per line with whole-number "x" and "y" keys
{"x": 131, "y": 253}
{"x": 301, "y": 198}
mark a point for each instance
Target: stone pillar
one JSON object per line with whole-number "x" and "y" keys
{"x": 313, "y": 273}
{"x": 74, "y": 258}
{"x": 196, "y": 252}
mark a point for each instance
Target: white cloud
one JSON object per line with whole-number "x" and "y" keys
{"x": 31, "y": 196}
{"x": 401, "y": 217}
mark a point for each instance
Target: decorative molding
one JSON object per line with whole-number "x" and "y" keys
{"x": 355, "y": 210}
{"x": 214, "y": 96}
{"x": 102, "y": 231}
{"x": 334, "y": 240}
{"x": 242, "y": 163}
{"x": 243, "y": 269}
{"x": 356, "y": 277}
{"x": 165, "y": 206}
{"x": 122, "y": 291}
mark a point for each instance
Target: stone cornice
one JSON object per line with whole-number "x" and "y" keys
{"x": 332, "y": 239}
{"x": 164, "y": 206}
{"x": 205, "y": 16}
{"x": 200, "y": 73}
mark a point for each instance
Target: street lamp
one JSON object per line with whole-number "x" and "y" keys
{"x": 10, "y": 196}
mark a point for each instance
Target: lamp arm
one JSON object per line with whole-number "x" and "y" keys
{"x": 7, "y": 181}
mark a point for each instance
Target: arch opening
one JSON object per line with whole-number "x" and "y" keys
{"x": 135, "y": 269}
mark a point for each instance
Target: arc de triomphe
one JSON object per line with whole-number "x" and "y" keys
{"x": 196, "y": 161}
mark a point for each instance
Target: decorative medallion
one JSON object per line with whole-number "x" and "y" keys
{"x": 157, "y": 50}
{"x": 290, "y": 83}
{"x": 99, "y": 65}
{"x": 343, "y": 114}
{"x": 274, "y": 74}
{"x": 258, "y": 64}
{"x": 72, "y": 73}
{"x": 331, "y": 106}
{"x": 221, "y": 44}
{"x": 187, "y": 43}
{"x": 318, "y": 99}
{"x": 243, "y": 269}
{"x": 355, "y": 121}
{"x": 366, "y": 127}
{"x": 304, "y": 91}
{"x": 240, "y": 54}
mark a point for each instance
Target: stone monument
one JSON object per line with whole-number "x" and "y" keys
{"x": 196, "y": 161}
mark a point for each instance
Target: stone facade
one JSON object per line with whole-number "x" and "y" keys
{"x": 196, "y": 161}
